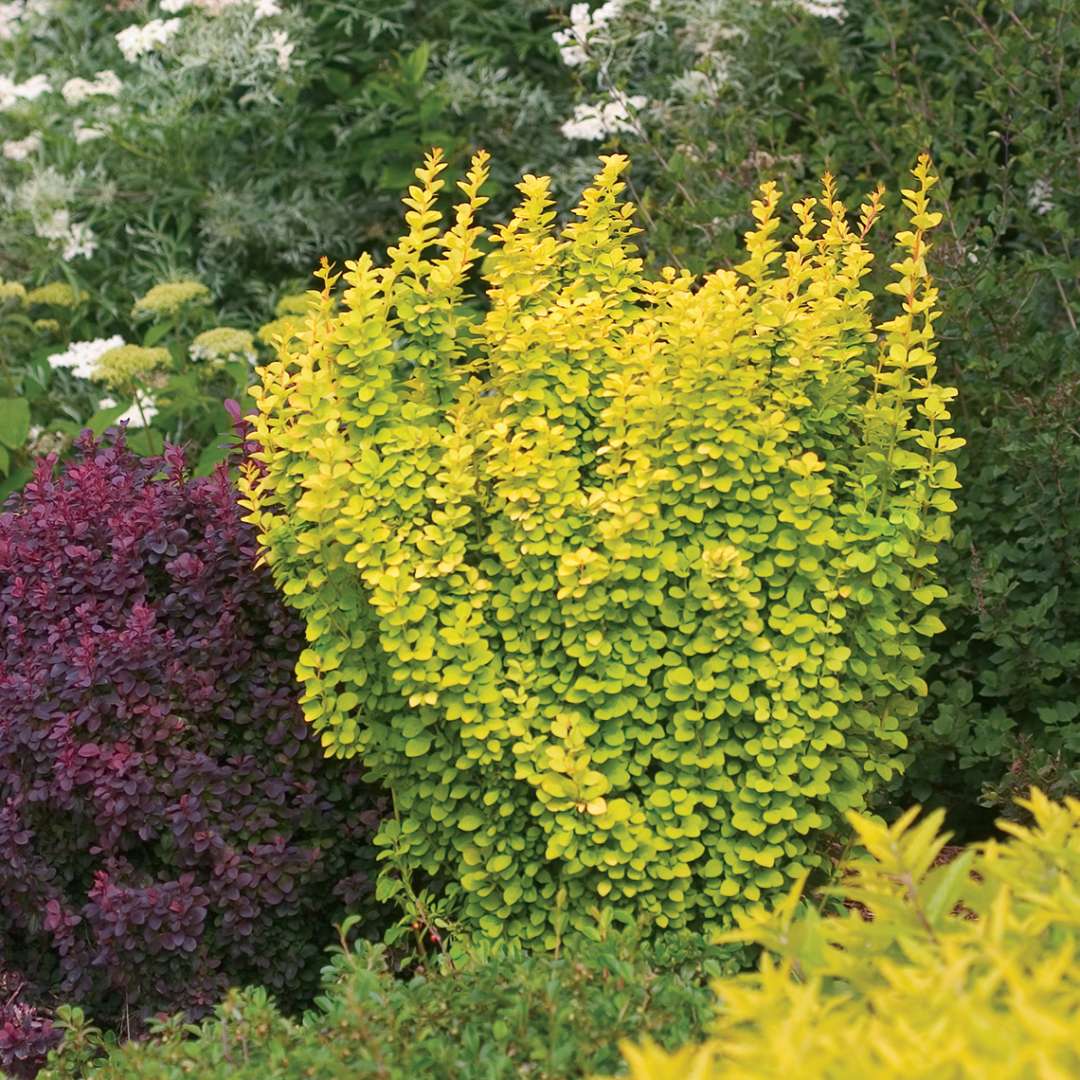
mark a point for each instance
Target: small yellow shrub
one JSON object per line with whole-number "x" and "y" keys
{"x": 618, "y": 584}
{"x": 966, "y": 970}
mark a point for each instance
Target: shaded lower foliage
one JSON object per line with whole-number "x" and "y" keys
{"x": 497, "y": 1013}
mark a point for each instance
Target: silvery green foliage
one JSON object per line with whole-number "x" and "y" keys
{"x": 666, "y": 79}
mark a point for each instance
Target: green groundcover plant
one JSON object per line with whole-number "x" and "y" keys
{"x": 498, "y": 1014}
{"x": 620, "y": 584}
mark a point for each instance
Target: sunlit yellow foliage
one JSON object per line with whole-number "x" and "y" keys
{"x": 989, "y": 989}
{"x": 618, "y": 584}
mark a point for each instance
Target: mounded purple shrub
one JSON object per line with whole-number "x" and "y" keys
{"x": 168, "y": 825}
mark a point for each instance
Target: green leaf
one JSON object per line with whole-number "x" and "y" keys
{"x": 415, "y": 64}
{"x": 157, "y": 332}
{"x": 5, "y": 460}
{"x": 14, "y": 422}
{"x": 337, "y": 82}
{"x": 418, "y": 746}
{"x": 103, "y": 419}
{"x": 146, "y": 441}
{"x": 212, "y": 455}
{"x": 929, "y": 625}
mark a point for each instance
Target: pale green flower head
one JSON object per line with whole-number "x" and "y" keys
{"x": 55, "y": 294}
{"x": 223, "y": 343}
{"x": 123, "y": 366}
{"x": 12, "y": 294}
{"x": 46, "y": 326}
{"x": 170, "y": 298}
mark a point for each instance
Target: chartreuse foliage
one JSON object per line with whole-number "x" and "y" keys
{"x": 966, "y": 970}
{"x": 621, "y": 585}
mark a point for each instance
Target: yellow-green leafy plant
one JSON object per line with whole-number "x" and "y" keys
{"x": 12, "y": 294}
{"x": 289, "y": 312}
{"x": 967, "y": 969}
{"x": 293, "y": 304}
{"x": 620, "y": 585}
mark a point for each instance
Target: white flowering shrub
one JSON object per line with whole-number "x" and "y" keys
{"x": 114, "y": 110}
{"x": 232, "y": 142}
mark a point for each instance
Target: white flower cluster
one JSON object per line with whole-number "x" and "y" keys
{"x": 824, "y": 9}
{"x": 81, "y": 357}
{"x": 574, "y": 41}
{"x": 696, "y": 85}
{"x": 75, "y": 238}
{"x": 104, "y": 83}
{"x": 282, "y": 48}
{"x": 20, "y": 149}
{"x": 12, "y": 13}
{"x": 12, "y": 92}
{"x": 85, "y": 133}
{"x": 136, "y": 41}
{"x": 597, "y": 121}
{"x": 1040, "y": 197}
{"x": 9, "y": 18}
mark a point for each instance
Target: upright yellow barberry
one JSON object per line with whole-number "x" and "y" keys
{"x": 618, "y": 583}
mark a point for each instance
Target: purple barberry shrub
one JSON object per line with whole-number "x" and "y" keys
{"x": 168, "y": 824}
